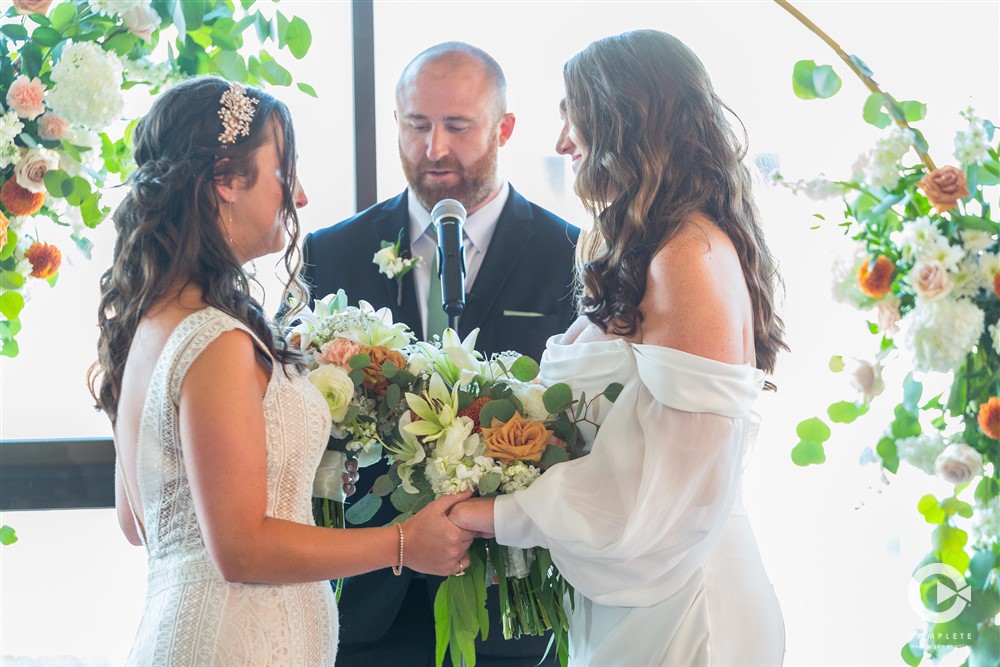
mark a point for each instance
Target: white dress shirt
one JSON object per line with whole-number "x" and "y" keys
{"x": 476, "y": 234}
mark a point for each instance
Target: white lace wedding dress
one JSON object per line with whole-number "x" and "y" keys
{"x": 192, "y": 616}
{"x": 649, "y": 527}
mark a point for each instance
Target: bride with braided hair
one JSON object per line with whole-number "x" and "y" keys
{"x": 218, "y": 434}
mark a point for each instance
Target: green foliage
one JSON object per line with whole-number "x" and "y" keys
{"x": 7, "y": 535}
{"x": 524, "y": 369}
{"x": 811, "y": 81}
{"x": 201, "y": 37}
{"x": 364, "y": 509}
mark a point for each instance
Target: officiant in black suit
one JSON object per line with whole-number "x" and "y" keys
{"x": 452, "y": 116}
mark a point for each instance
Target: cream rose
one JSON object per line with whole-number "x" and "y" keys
{"x": 866, "y": 377}
{"x": 336, "y": 387}
{"x": 888, "y": 314}
{"x": 30, "y": 170}
{"x": 32, "y": 6}
{"x": 930, "y": 280}
{"x": 530, "y": 395}
{"x": 141, "y": 21}
{"x": 958, "y": 464}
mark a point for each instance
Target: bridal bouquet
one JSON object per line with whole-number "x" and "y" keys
{"x": 484, "y": 425}
{"x": 357, "y": 359}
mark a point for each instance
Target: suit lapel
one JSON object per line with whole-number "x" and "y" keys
{"x": 395, "y": 218}
{"x": 512, "y": 236}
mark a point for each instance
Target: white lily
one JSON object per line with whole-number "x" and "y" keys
{"x": 409, "y": 452}
{"x": 437, "y": 411}
{"x": 457, "y": 360}
{"x": 380, "y": 331}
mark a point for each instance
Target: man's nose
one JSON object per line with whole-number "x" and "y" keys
{"x": 437, "y": 144}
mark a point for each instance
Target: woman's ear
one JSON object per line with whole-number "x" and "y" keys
{"x": 225, "y": 186}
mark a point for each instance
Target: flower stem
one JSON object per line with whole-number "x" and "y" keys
{"x": 891, "y": 104}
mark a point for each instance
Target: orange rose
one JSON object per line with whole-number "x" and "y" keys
{"x": 519, "y": 439}
{"x": 32, "y": 6}
{"x": 374, "y": 379}
{"x": 944, "y": 187}
{"x": 875, "y": 278}
{"x": 4, "y": 224}
{"x": 19, "y": 201}
{"x": 989, "y": 418}
{"x": 45, "y": 259}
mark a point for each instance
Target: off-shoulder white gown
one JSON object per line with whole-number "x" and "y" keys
{"x": 649, "y": 527}
{"x": 192, "y": 616}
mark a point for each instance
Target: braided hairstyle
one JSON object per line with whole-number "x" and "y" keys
{"x": 168, "y": 224}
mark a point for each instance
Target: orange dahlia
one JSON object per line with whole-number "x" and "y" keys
{"x": 989, "y": 417}
{"x": 875, "y": 278}
{"x": 19, "y": 201}
{"x": 45, "y": 259}
{"x": 4, "y": 224}
{"x": 472, "y": 412}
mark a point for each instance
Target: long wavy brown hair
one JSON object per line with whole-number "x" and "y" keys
{"x": 168, "y": 224}
{"x": 660, "y": 150}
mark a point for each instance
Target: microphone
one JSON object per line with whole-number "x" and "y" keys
{"x": 448, "y": 216}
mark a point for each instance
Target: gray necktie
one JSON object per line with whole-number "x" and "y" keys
{"x": 437, "y": 319}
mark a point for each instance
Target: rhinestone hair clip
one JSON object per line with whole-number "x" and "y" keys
{"x": 236, "y": 113}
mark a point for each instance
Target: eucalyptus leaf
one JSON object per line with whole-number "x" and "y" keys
{"x": 613, "y": 391}
{"x": 489, "y": 483}
{"x": 46, "y": 36}
{"x": 802, "y": 79}
{"x": 808, "y": 453}
{"x": 913, "y": 110}
{"x": 404, "y": 501}
{"x": 843, "y": 412}
{"x": 9, "y": 348}
{"x": 364, "y": 509}
{"x": 836, "y": 363}
{"x": 7, "y": 535}
{"x": 11, "y": 280}
{"x": 11, "y": 304}
{"x": 826, "y": 83}
{"x": 15, "y": 31}
{"x": 298, "y": 38}
{"x": 872, "y": 111}
{"x": 359, "y": 361}
{"x": 383, "y": 486}
{"x": 912, "y": 390}
{"x": 524, "y": 369}
{"x": 501, "y": 409}
{"x": 557, "y": 398}
{"x": 814, "y": 429}
{"x": 307, "y": 89}
{"x": 552, "y": 455}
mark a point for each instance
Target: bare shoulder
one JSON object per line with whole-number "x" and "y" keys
{"x": 696, "y": 297}
{"x": 229, "y": 363}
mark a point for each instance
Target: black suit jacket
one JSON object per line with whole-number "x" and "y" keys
{"x": 528, "y": 268}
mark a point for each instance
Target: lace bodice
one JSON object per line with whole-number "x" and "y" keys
{"x": 192, "y": 615}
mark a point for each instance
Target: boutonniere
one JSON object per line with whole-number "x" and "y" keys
{"x": 390, "y": 262}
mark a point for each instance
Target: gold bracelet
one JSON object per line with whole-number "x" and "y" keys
{"x": 398, "y": 569}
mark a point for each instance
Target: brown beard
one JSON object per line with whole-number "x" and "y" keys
{"x": 475, "y": 184}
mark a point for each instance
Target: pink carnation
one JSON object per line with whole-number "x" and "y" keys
{"x": 339, "y": 352}
{"x": 26, "y": 97}
{"x": 52, "y": 127}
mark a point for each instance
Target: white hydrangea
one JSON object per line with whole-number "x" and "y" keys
{"x": 995, "y": 335}
{"x": 518, "y": 475}
{"x": 115, "y": 7}
{"x": 989, "y": 266}
{"x": 87, "y": 88}
{"x": 986, "y": 523}
{"x": 881, "y": 164}
{"x": 921, "y": 239}
{"x": 921, "y": 451}
{"x": 972, "y": 145}
{"x": 146, "y": 71}
{"x": 447, "y": 477}
{"x": 940, "y": 333}
{"x": 10, "y": 127}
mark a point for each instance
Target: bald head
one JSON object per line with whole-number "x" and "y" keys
{"x": 458, "y": 62}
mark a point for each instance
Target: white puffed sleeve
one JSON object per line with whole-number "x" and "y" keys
{"x": 628, "y": 523}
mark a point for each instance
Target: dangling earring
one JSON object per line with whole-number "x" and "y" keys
{"x": 229, "y": 229}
